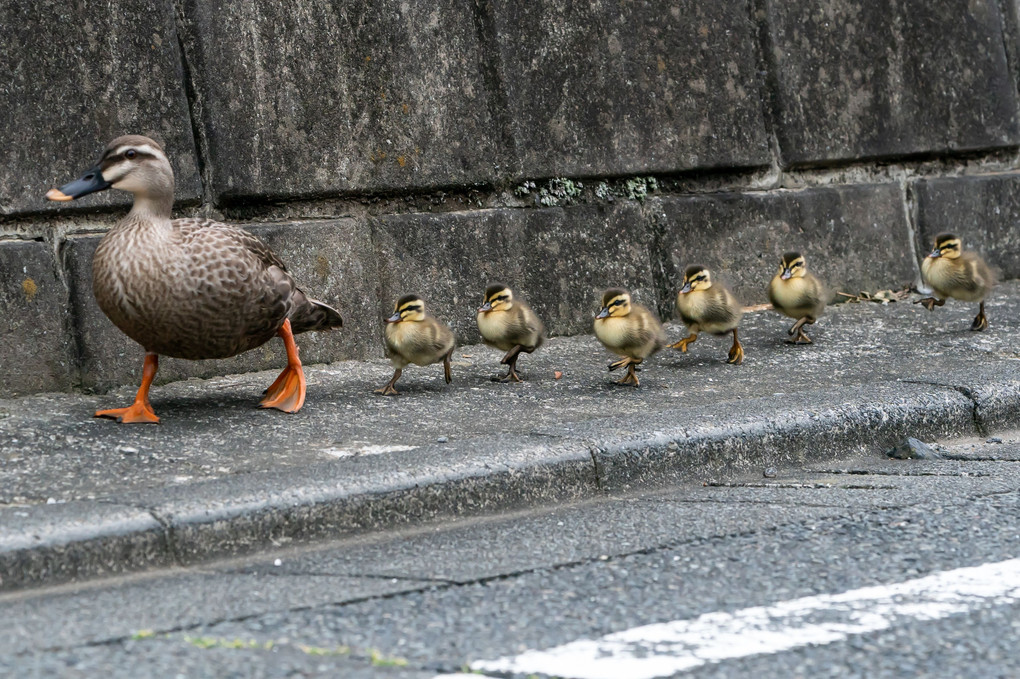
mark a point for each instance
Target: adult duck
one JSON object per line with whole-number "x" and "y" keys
{"x": 189, "y": 288}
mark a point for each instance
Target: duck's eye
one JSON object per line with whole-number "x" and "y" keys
{"x": 130, "y": 153}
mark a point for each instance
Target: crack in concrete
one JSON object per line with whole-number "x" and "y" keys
{"x": 911, "y": 218}
{"x": 192, "y": 92}
{"x": 790, "y": 485}
{"x": 867, "y": 472}
{"x": 768, "y": 90}
{"x": 168, "y": 536}
{"x": 966, "y": 392}
{"x": 345, "y": 574}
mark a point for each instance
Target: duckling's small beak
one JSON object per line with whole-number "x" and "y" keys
{"x": 395, "y": 318}
{"x": 485, "y": 307}
{"x": 603, "y": 313}
{"x": 684, "y": 290}
{"x": 935, "y": 254}
{"x": 90, "y": 182}
{"x": 786, "y": 275}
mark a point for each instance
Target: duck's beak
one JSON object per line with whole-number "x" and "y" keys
{"x": 603, "y": 313}
{"x": 395, "y": 318}
{"x": 935, "y": 254}
{"x": 786, "y": 275}
{"x": 485, "y": 307}
{"x": 687, "y": 288}
{"x": 90, "y": 182}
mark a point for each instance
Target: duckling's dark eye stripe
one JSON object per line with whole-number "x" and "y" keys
{"x": 413, "y": 307}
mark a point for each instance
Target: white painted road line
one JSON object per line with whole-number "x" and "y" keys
{"x": 664, "y": 649}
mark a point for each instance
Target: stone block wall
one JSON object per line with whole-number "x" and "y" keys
{"x": 388, "y": 147}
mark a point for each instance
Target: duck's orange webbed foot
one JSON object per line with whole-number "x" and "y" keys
{"x": 136, "y": 413}
{"x": 139, "y": 412}
{"x": 287, "y": 393}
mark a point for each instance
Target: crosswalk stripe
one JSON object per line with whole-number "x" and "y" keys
{"x": 664, "y": 649}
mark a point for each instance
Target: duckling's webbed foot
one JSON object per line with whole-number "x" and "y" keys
{"x": 623, "y": 362}
{"x": 389, "y": 389}
{"x": 980, "y": 321}
{"x": 736, "y": 355}
{"x": 511, "y": 373}
{"x": 798, "y": 330}
{"x": 682, "y": 344}
{"x": 801, "y": 338}
{"x": 510, "y": 360}
{"x": 930, "y": 302}
{"x": 631, "y": 376}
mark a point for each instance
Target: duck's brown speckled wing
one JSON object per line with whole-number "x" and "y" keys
{"x": 214, "y": 291}
{"x": 230, "y": 292}
{"x": 190, "y": 225}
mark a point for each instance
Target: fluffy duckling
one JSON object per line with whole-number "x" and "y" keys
{"x": 628, "y": 330}
{"x": 412, "y": 336}
{"x": 189, "y": 288}
{"x": 795, "y": 292}
{"x": 951, "y": 272}
{"x": 708, "y": 307}
{"x": 509, "y": 325}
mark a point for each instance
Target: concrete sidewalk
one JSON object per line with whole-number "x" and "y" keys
{"x": 82, "y": 498}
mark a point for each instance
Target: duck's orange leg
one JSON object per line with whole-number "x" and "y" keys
{"x": 141, "y": 410}
{"x": 287, "y": 393}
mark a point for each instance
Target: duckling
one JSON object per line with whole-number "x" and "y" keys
{"x": 509, "y": 325}
{"x": 628, "y": 330}
{"x": 951, "y": 272}
{"x": 412, "y": 336}
{"x": 708, "y": 307}
{"x": 189, "y": 288}
{"x": 795, "y": 292}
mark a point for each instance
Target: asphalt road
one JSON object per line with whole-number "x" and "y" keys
{"x": 479, "y": 595}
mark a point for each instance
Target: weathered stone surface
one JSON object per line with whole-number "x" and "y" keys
{"x": 47, "y": 544}
{"x": 890, "y": 79}
{"x": 558, "y": 259}
{"x": 35, "y": 347}
{"x": 984, "y": 211}
{"x": 331, "y": 260}
{"x": 311, "y": 98}
{"x": 612, "y": 88}
{"x": 854, "y": 237}
{"x": 75, "y": 76}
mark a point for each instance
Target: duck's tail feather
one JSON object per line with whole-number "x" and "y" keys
{"x": 311, "y": 314}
